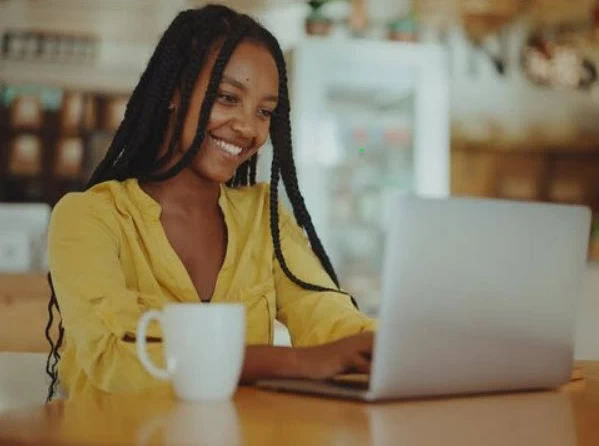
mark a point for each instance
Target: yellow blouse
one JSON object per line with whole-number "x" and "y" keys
{"x": 111, "y": 261}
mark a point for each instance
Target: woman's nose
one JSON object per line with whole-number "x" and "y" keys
{"x": 245, "y": 125}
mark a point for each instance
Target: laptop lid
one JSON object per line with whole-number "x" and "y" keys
{"x": 478, "y": 295}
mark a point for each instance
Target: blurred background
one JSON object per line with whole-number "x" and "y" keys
{"x": 491, "y": 98}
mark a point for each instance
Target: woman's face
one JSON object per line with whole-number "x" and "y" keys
{"x": 240, "y": 120}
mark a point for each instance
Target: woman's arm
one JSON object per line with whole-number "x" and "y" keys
{"x": 99, "y": 312}
{"x": 351, "y": 354}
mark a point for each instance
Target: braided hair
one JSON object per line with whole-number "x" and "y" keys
{"x": 134, "y": 151}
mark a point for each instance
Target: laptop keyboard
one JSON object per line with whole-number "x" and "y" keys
{"x": 353, "y": 381}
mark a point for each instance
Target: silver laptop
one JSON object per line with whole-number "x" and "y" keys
{"x": 478, "y": 296}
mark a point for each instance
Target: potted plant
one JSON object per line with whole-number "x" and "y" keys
{"x": 404, "y": 29}
{"x": 317, "y": 24}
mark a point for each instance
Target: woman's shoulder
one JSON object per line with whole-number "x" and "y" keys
{"x": 255, "y": 200}
{"x": 250, "y": 199}
{"x": 253, "y": 203}
{"x": 97, "y": 202}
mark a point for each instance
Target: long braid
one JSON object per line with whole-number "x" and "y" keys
{"x": 282, "y": 164}
{"x": 149, "y": 121}
{"x": 289, "y": 175}
{"x": 253, "y": 169}
{"x": 124, "y": 132}
{"x": 275, "y": 231}
{"x": 54, "y": 356}
{"x": 196, "y": 61}
{"x": 242, "y": 174}
{"x": 245, "y": 174}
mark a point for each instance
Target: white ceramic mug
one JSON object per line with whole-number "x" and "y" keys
{"x": 204, "y": 346}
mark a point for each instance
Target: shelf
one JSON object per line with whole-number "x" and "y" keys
{"x": 585, "y": 147}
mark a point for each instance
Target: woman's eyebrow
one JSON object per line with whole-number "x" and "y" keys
{"x": 234, "y": 82}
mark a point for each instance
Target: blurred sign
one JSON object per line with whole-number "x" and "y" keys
{"x": 48, "y": 46}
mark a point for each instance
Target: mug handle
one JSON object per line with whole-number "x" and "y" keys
{"x": 142, "y": 354}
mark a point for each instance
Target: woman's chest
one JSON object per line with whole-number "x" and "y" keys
{"x": 180, "y": 265}
{"x": 201, "y": 252}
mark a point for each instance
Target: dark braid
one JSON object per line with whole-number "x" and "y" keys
{"x": 132, "y": 114}
{"x": 196, "y": 61}
{"x": 245, "y": 174}
{"x": 54, "y": 356}
{"x": 134, "y": 152}
{"x": 275, "y": 231}
{"x": 283, "y": 162}
{"x": 253, "y": 169}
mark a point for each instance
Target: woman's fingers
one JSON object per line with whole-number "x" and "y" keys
{"x": 366, "y": 343}
{"x": 360, "y": 364}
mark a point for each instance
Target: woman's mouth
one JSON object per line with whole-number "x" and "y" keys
{"x": 228, "y": 148}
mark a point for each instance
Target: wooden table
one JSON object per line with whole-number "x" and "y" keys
{"x": 24, "y": 313}
{"x": 569, "y": 416}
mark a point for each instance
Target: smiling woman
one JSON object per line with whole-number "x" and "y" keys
{"x": 173, "y": 214}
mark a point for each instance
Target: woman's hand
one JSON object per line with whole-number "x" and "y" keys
{"x": 351, "y": 354}
{"x": 348, "y": 355}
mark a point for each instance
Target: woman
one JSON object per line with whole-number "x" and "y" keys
{"x": 173, "y": 214}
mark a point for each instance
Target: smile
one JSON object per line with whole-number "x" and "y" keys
{"x": 226, "y": 147}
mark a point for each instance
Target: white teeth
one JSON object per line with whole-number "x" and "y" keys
{"x": 229, "y": 148}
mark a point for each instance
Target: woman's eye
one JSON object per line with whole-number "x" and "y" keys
{"x": 227, "y": 98}
{"x": 266, "y": 113}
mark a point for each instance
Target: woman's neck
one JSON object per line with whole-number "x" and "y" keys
{"x": 186, "y": 194}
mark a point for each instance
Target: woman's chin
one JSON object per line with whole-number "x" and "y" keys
{"x": 221, "y": 176}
